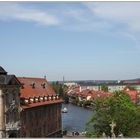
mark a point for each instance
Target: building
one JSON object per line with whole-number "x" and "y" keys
{"x": 41, "y": 109}
{"x": 71, "y": 84}
{"x": 111, "y": 86}
{"x": 9, "y": 105}
{"x": 29, "y": 107}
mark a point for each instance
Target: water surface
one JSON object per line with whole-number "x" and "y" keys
{"x": 76, "y": 118}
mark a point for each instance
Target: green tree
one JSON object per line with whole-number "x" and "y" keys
{"x": 104, "y": 88}
{"x": 118, "y": 108}
{"x": 61, "y": 89}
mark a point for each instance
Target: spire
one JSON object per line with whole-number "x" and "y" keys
{"x": 63, "y": 79}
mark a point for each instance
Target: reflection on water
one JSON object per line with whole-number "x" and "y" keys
{"x": 76, "y": 118}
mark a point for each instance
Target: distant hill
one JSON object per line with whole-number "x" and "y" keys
{"x": 91, "y": 82}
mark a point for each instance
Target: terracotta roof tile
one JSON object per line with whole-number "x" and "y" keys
{"x": 41, "y": 104}
{"x": 132, "y": 94}
{"x": 28, "y": 91}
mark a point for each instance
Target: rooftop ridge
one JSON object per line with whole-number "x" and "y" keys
{"x": 31, "y": 77}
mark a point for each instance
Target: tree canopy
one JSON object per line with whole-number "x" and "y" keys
{"x": 117, "y": 108}
{"x": 104, "y": 88}
{"x": 60, "y": 89}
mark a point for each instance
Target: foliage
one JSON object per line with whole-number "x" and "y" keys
{"x": 118, "y": 108}
{"x": 86, "y": 103}
{"x": 60, "y": 89}
{"x": 104, "y": 88}
{"x": 90, "y": 135}
{"x": 75, "y": 101}
{"x": 81, "y": 103}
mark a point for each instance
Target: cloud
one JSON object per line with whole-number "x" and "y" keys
{"x": 84, "y": 16}
{"x": 14, "y": 11}
{"x": 122, "y": 17}
{"x": 118, "y": 12}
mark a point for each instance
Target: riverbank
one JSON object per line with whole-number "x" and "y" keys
{"x": 74, "y": 135}
{"x": 79, "y": 105}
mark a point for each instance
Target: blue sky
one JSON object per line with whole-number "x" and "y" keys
{"x": 78, "y": 40}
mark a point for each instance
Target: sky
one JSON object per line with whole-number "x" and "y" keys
{"x": 77, "y": 40}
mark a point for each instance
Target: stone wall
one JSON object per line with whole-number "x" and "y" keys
{"x": 12, "y": 114}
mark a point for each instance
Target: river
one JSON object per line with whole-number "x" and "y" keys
{"x": 76, "y": 118}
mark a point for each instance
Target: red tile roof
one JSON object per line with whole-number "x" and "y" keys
{"x": 28, "y": 91}
{"x": 132, "y": 94}
{"x": 41, "y": 104}
{"x": 92, "y": 93}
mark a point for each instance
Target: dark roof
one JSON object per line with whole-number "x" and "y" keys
{"x": 7, "y": 79}
{"x": 2, "y": 71}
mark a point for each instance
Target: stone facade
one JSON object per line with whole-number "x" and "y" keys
{"x": 9, "y": 105}
{"x": 29, "y": 107}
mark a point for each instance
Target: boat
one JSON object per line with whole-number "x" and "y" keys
{"x": 64, "y": 110}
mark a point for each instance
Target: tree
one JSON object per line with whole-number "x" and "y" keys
{"x": 118, "y": 108}
{"x": 61, "y": 89}
{"x": 104, "y": 88}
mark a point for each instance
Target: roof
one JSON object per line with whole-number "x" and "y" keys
{"x": 38, "y": 90}
{"x": 9, "y": 80}
{"x": 2, "y": 71}
{"x": 41, "y": 104}
{"x": 6, "y": 79}
{"x": 87, "y": 92}
{"x": 132, "y": 93}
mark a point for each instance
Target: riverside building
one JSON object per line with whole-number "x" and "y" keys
{"x": 9, "y": 105}
{"x": 29, "y": 107}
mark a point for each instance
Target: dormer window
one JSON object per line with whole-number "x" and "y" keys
{"x": 43, "y": 85}
{"x": 44, "y": 97}
{"x": 49, "y": 97}
{"x": 26, "y": 101}
{"x": 33, "y": 85}
{"x": 54, "y": 97}
{"x": 39, "y": 99}
{"x": 29, "y": 101}
{"x": 34, "y": 99}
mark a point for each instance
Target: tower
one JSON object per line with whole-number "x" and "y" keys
{"x": 9, "y": 105}
{"x": 63, "y": 79}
